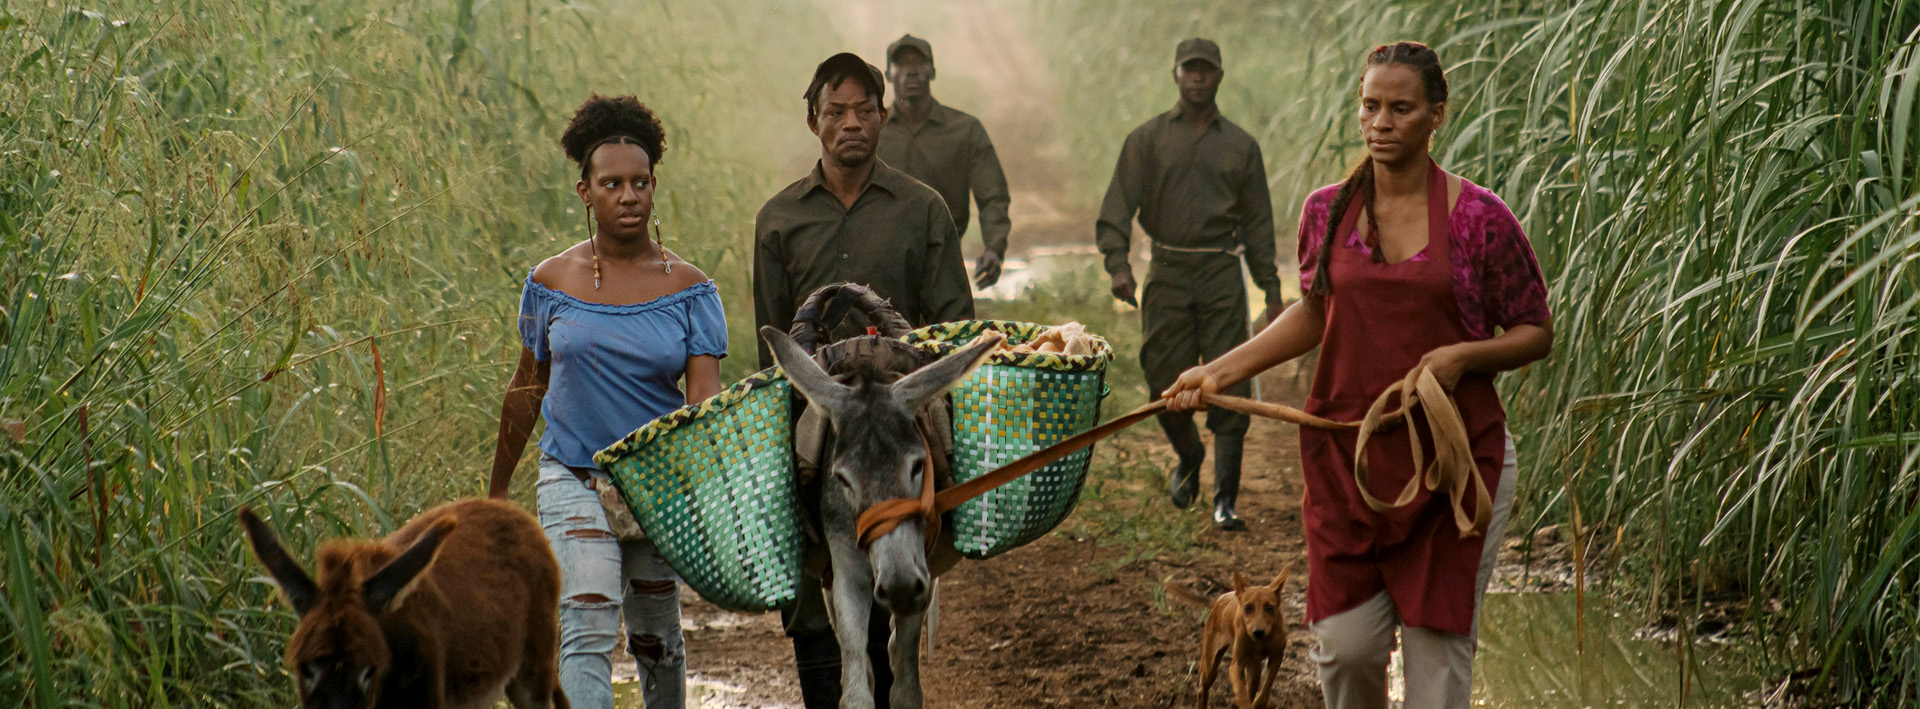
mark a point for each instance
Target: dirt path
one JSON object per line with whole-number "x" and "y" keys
{"x": 1077, "y": 622}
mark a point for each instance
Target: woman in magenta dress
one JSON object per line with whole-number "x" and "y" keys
{"x": 1403, "y": 265}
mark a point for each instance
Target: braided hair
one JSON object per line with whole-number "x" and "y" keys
{"x": 1359, "y": 182}
{"x": 605, "y": 120}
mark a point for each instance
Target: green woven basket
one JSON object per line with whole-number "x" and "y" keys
{"x": 1011, "y": 406}
{"x": 713, "y": 487}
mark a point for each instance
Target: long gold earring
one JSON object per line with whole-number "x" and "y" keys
{"x": 661, "y": 244}
{"x": 593, "y": 245}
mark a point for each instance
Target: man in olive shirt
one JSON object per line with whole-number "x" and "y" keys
{"x": 946, "y": 149}
{"x": 854, "y": 220}
{"x": 1199, "y": 185}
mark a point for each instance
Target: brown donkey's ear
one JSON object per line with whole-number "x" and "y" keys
{"x": 294, "y": 582}
{"x": 388, "y": 587}
{"x": 1239, "y": 584}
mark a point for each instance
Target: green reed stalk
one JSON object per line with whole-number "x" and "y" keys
{"x": 208, "y": 209}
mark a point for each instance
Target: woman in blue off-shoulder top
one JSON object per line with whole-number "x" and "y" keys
{"x": 609, "y": 328}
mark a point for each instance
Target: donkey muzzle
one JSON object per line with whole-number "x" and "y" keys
{"x": 901, "y": 580}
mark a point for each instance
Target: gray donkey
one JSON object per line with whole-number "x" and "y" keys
{"x": 877, "y": 455}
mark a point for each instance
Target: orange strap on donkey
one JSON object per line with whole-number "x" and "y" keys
{"x": 1452, "y": 468}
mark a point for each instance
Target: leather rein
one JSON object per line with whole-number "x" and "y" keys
{"x": 1452, "y": 469}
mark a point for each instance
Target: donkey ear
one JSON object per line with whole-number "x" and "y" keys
{"x": 923, "y": 384}
{"x": 387, "y": 588}
{"x": 294, "y": 582}
{"x": 806, "y": 375}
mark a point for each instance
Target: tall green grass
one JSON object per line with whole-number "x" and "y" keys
{"x": 270, "y": 255}
{"x": 212, "y": 213}
{"x": 1726, "y": 200}
{"x": 1725, "y": 196}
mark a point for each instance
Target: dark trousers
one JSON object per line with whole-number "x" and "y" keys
{"x": 1194, "y": 309}
{"x": 816, "y": 651}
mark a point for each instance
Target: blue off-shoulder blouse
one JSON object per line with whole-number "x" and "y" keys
{"x": 613, "y": 368}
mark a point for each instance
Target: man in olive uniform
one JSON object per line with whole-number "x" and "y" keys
{"x": 946, "y": 149}
{"x": 1199, "y": 185}
{"x": 854, "y": 219}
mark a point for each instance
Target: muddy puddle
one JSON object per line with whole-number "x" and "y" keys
{"x": 1529, "y": 658}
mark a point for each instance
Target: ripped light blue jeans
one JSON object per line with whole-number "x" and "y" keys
{"x": 595, "y": 570}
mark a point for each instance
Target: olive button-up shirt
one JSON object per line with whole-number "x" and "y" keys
{"x": 1195, "y": 190}
{"x": 897, "y": 239}
{"x": 950, "y": 152}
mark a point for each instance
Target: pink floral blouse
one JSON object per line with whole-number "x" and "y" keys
{"x": 1496, "y": 280}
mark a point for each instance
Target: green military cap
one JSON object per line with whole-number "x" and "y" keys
{"x": 907, "y": 41}
{"x": 1198, "y": 48}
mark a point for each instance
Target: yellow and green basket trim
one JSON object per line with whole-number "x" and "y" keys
{"x": 727, "y": 398}
{"x": 942, "y": 338}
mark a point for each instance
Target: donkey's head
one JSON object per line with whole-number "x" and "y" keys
{"x": 338, "y": 650}
{"x": 878, "y": 454}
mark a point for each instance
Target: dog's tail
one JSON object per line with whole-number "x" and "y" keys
{"x": 1182, "y": 594}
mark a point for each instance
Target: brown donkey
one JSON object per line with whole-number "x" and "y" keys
{"x": 392, "y": 623}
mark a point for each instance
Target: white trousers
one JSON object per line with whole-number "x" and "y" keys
{"x": 1352, "y": 647}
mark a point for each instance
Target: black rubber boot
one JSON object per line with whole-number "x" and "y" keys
{"x": 1184, "y": 484}
{"x": 1226, "y": 481}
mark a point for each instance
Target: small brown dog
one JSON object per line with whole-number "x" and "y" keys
{"x": 1248, "y": 621}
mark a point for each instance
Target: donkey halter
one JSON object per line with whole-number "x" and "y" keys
{"x": 883, "y": 516}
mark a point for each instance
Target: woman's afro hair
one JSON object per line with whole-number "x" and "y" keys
{"x": 612, "y": 119}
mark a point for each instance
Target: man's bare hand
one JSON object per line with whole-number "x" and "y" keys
{"x": 1124, "y": 287}
{"x": 1273, "y": 311}
{"x": 986, "y": 270}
